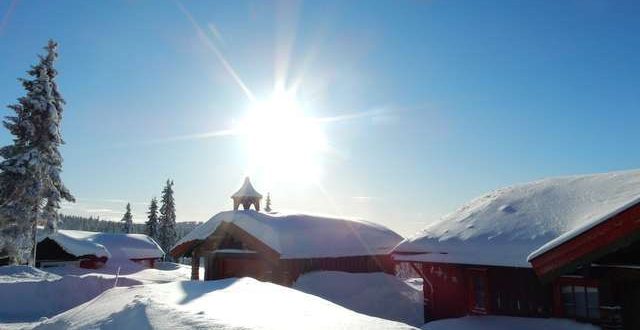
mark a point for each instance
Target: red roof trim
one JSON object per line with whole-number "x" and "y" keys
{"x": 591, "y": 244}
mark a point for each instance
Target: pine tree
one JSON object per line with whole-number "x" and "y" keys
{"x": 128, "y": 220}
{"x": 167, "y": 230}
{"x": 267, "y": 207}
{"x": 31, "y": 165}
{"x": 152, "y": 222}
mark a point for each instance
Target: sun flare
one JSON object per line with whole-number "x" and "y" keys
{"x": 283, "y": 142}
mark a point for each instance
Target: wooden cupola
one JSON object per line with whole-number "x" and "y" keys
{"x": 246, "y": 196}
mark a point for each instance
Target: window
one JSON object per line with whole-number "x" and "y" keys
{"x": 580, "y": 301}
{"x": 478, "y": 291}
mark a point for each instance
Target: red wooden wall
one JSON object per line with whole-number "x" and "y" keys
{"x": 509, "y": 291}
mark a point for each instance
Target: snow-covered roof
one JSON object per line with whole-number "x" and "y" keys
{"x": 76, "y": 246}
{"x": 507, "y": 226}
{"x": 117, "y": 246}
{"x": 246, "y": 190}
{"x": 303, "y": 236}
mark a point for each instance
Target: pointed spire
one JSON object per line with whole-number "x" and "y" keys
{"x": 246, "y": 196}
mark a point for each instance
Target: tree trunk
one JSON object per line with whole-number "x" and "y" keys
{"x": 34, "y": 234}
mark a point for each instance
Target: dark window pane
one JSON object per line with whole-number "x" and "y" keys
{"x": 479, "y": 292}
{"x": 593, "y": 303}
{"x": 568, "y": 301}
{"x": 581, "y": 301}
{"x": 567, "y": 295}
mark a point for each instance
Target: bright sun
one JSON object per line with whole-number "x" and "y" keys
{"x": 282, "y": 141}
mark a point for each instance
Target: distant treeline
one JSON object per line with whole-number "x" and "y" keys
{"x": 75, "y": 222}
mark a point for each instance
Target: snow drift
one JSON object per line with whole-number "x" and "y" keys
{"x": 507, "y": 225}
{"x": 375, "y": 294}
{"x": 227, "y": 304}
{"x": 28, "y": 293}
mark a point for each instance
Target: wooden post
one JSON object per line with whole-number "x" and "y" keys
{"x": 195, "y": 267}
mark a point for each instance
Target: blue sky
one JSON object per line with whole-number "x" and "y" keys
{"x": 438, "y": 101}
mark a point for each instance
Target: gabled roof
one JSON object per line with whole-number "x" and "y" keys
{"x": 300, "y": 236}
{"x": 507, "y": 226}
{"x": 246, "y": 190}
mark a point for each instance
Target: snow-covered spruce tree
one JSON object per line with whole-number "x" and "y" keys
{"x": 267, "y": 206}
{"x": 127, "y": 220}
{"x": 167, "y": 229}
{"x": 152, "y": 219}
{"x": 30, "y": 184}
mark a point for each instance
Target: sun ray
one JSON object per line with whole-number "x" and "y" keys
{"x": 211, "y": 46}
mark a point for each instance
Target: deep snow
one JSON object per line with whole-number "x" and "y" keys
{"x": 304, "y": 236}
{"x": 507, "y": 225}
{"x": 34, "y": 293}
{"x": 376, "y": 294}
{"x": 18, "y": 274}
{"x": 226, "y": 304}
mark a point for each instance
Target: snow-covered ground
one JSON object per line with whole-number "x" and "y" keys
{"x": 163, "y": 273}
{"x": 375, "y": 294}
{"x": 19, "y": 274}
{"x": 506, "y": 323}
{"x": 74, "y": 298}
{"x": 226, "y": 304}
{"x": 35, "y": 293}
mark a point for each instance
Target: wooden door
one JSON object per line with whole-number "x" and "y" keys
{"x": 478, "y": 291}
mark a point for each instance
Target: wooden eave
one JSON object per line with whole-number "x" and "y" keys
{"x": 615, "y": 233}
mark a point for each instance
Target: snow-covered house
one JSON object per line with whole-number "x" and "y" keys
{"x": 93, "y": 249}
{"x": 279, "y": 247}
{"x": 66, "y": 247}
{"x": 564, "y": 247}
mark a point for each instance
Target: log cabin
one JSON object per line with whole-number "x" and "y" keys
{"x": 280, "y": 247}
{"x": 66, "y": 247}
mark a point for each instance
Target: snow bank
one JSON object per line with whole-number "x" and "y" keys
{"x": 165, "y": 272}
{"x": 226, "y": 304}
{"x": 375, "y": 294}
{"x": 18, "y": 274}
{"x": 505, "y": 226}
{"x": 27, "y": 293}
{"x": 303, "y": 236}
{"x": 506, "y": 323}
{"x": 75, "y": 245}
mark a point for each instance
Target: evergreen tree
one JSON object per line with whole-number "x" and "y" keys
{"x": 167, "y": 230}
{"x": 31, "y": 165}
{"x": 127, "y": 226}
{"x": 152, "y": 222}
{"x": 267, "y": 206}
